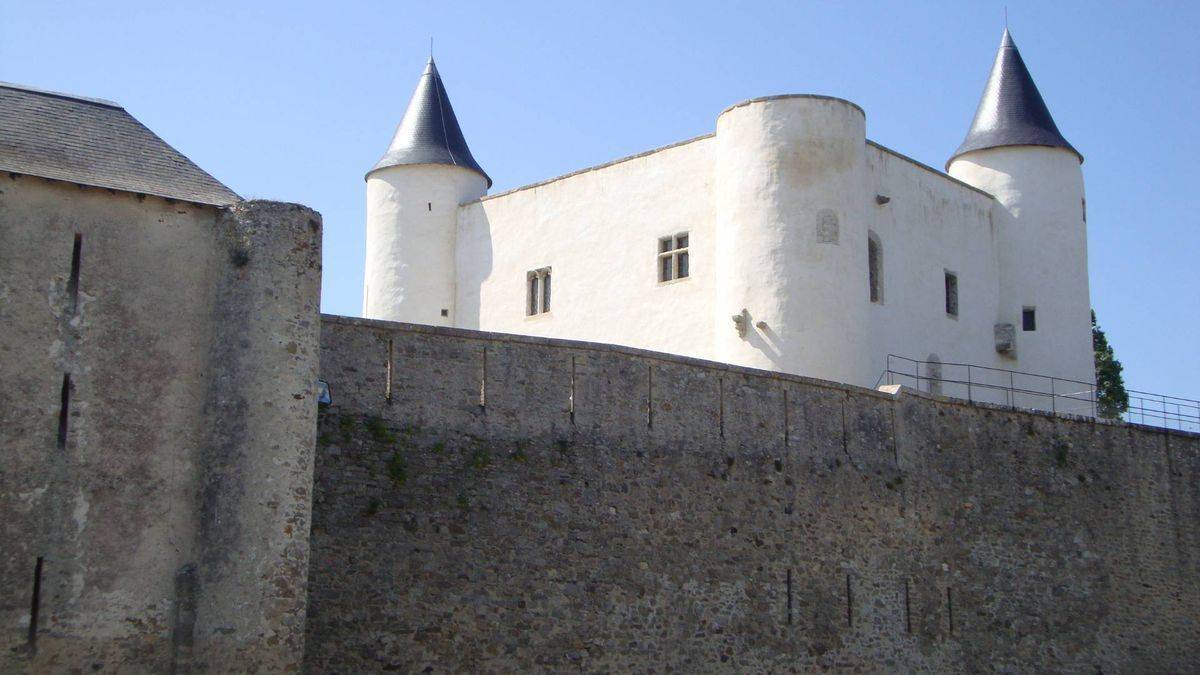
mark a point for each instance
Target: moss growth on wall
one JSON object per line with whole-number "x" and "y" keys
{"x": 1060, "y": 455}
{"x": 480, "y": 458}
{"x": 378, "y": 430}
{"x": 397, "y": 468}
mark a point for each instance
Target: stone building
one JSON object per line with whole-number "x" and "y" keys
{"x": 786, "y": 240}
{"x": 156, "y": 339}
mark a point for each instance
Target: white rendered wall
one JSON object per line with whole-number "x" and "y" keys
{"x": 754, "y": 198}
{"x": 1042, "y": 252}
{"x": 790, "y": 170}
{"x": 598, "y": 231}
{"x": 932, "y": 224}
{"x": 411, "y": 216}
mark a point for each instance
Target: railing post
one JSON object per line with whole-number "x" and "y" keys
{"x": 1012, "y": 394}
{"x": 1053, "y": 403}
{"x": 969, "y": 398}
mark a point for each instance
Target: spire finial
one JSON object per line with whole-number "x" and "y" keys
{"x": 431, "y": 43}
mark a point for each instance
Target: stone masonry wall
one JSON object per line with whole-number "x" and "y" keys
{"x": 158, "y": 363}
{"x": 489, "y": 502}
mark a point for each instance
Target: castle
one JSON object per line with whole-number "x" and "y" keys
{"x": 785, "y": 241}
{"x": 200, "y": 472}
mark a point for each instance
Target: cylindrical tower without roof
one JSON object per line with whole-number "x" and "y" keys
{"x": 792, "y": 237}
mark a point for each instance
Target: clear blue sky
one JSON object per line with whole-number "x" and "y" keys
{"x": 296, "y": 100}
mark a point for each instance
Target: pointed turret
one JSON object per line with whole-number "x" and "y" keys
{"x": 1015, "y": 153}
{"x": 429, "y": 132}
{"x": 413, "y": 195}
{"x": 1012, "y": 111}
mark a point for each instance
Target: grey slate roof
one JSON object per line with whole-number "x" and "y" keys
{"x": 95, "y": 142}
{"x": 1011, "y": 111}
{"x": 429, "y": 132}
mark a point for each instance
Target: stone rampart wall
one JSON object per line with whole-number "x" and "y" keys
{"x": 490, "y": 502}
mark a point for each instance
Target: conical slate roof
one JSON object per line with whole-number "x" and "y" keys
{"x": 1011, "y": 111}
{"x": 429, "y": 132}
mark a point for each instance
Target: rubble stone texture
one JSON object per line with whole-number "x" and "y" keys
{"x": 521, "y": 504}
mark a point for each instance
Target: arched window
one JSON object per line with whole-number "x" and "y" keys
{"x": 875, "y": 267}
{"x": 933, "y": 374}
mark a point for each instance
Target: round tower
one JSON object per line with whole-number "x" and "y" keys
{"x": 413, "y": 195}
{"x": 792, "y": 291}
{"x": 1015, "y": 152}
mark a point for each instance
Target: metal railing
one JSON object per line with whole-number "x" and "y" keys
{"x": 1033, "y": 391}
{"x": 1160, "y": 410}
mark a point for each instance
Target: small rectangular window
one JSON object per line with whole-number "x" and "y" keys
{"x": 673, "y": 257}
{"x": 537, "y": 291}
{"x": 951, "y": 293}
{"x": 1028, "y": 319}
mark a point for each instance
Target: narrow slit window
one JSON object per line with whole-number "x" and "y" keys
{"x": 1028, "y": 319}
{"x": 951, "y": 293}
{"x": 73, "y": 281}
{"x": 35, "y": 604}
{"x": 64, "y": 411}
{"x": 673, "y": 257}
{"x": 537, "y": 291}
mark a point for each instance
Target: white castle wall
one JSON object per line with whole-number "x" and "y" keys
{"x": 779, "y": 204}
{"x": 411, "y": 214}
{"x": 598, "y": 231}
{"x": 930, "y": 225}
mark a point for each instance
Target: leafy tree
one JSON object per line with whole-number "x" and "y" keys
{"x": 1111, "y": 397}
